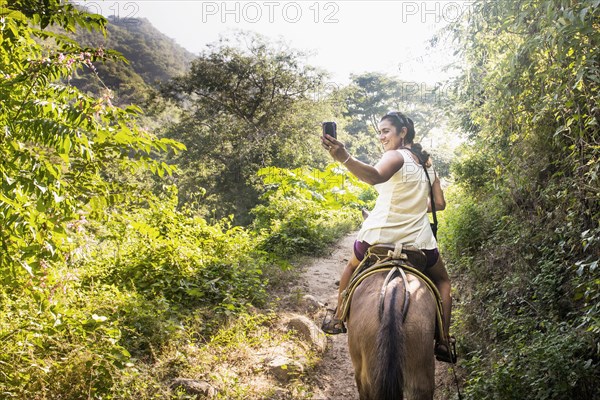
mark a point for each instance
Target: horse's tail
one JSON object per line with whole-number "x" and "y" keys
{"x": 389, "y": 375}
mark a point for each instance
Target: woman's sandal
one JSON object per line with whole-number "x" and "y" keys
{"x": 446, "y": 353}
{"x": 331, "y": 324}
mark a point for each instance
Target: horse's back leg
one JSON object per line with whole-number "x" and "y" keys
{"x": 362, "y": 384}
{"x": 420, "y": 331}
{"x": 419, "y": 384}
{"x": 361, "y": 362}
{"x": 362, "y": 330}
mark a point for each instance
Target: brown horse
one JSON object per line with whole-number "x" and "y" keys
{"x": 392, "y": 353}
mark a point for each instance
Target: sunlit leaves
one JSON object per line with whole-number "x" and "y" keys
{"x": 55, "y": 141}
{"x": 529, "y": 96}
{"x": 334, "y": 186}
{"x": 248, "y": 105}
{"x": 304, "y": 208}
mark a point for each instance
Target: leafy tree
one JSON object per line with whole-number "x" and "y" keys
{"x": 370, "y": 96}
{"x": 245, "y": 109}
{"x": 367, "y": 98}
{"x": 56, "y": 142}
{"x": 529, "y": 98}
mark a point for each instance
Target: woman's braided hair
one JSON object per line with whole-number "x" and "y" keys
{"x": 399, "y": 120}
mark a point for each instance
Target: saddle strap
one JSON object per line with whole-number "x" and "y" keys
{"x": 436, "y": 294}
{"x": 391, "y": 275}
{"x": 406, "y": 294}
{"x": 397, "y": 253}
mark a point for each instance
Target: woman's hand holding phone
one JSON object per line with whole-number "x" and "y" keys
{"x": 331, "y": 144}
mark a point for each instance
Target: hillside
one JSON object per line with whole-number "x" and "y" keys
{"x": 153, "y": 57}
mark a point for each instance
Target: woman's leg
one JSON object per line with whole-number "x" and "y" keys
{"x": 344, "y": 280}
{"x": 438, "y": 274}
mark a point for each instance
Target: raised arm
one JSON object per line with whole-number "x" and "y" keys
{"x": 386, "y": 167}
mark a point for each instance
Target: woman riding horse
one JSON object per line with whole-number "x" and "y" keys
{"x": 400, "y": 212}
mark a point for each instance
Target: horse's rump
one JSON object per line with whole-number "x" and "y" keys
{"x": 393, "y": 355}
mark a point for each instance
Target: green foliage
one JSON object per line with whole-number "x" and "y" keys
{"x": 245, "y": 108}
{"x": 56, "y": 343}
{"x": 526, "y": 235}
{"x": 56, "y": 142}
{"x": 475, "y": 170}
{"x": 520, "y": 329}
{"x": 108, "y": 290}
{"x": 139, "y": 283}
{"x": 160, "y": 252}
{"x": 550, "y": 365}
{"x": 467, "y": 224}
{"x": 305, "y": 209}
{"x": 56, "y": 148}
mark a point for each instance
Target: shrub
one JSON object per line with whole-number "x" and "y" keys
{"x": 304, "y": 209}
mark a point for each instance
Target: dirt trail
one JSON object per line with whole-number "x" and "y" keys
{"x": 335, "y": 375}
{"x": 334, "y": 378}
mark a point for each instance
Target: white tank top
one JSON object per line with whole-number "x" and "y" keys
{"x": 400, "y": 213}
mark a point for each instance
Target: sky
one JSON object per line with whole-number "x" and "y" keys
{"x": 343, "y": 37}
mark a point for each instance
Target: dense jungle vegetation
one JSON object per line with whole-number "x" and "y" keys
{"x": 147, "y": 211}
{"x": 523, "y": 232}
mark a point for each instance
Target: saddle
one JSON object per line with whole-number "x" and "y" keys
{"x": 407, "y": 253}
{"x": 393, "y": 259}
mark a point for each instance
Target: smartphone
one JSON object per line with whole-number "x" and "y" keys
{"x": 330, "y": 128}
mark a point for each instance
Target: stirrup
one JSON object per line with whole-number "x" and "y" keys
{"x": 446, "y": 352}
{"x": 331, "y": 324}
